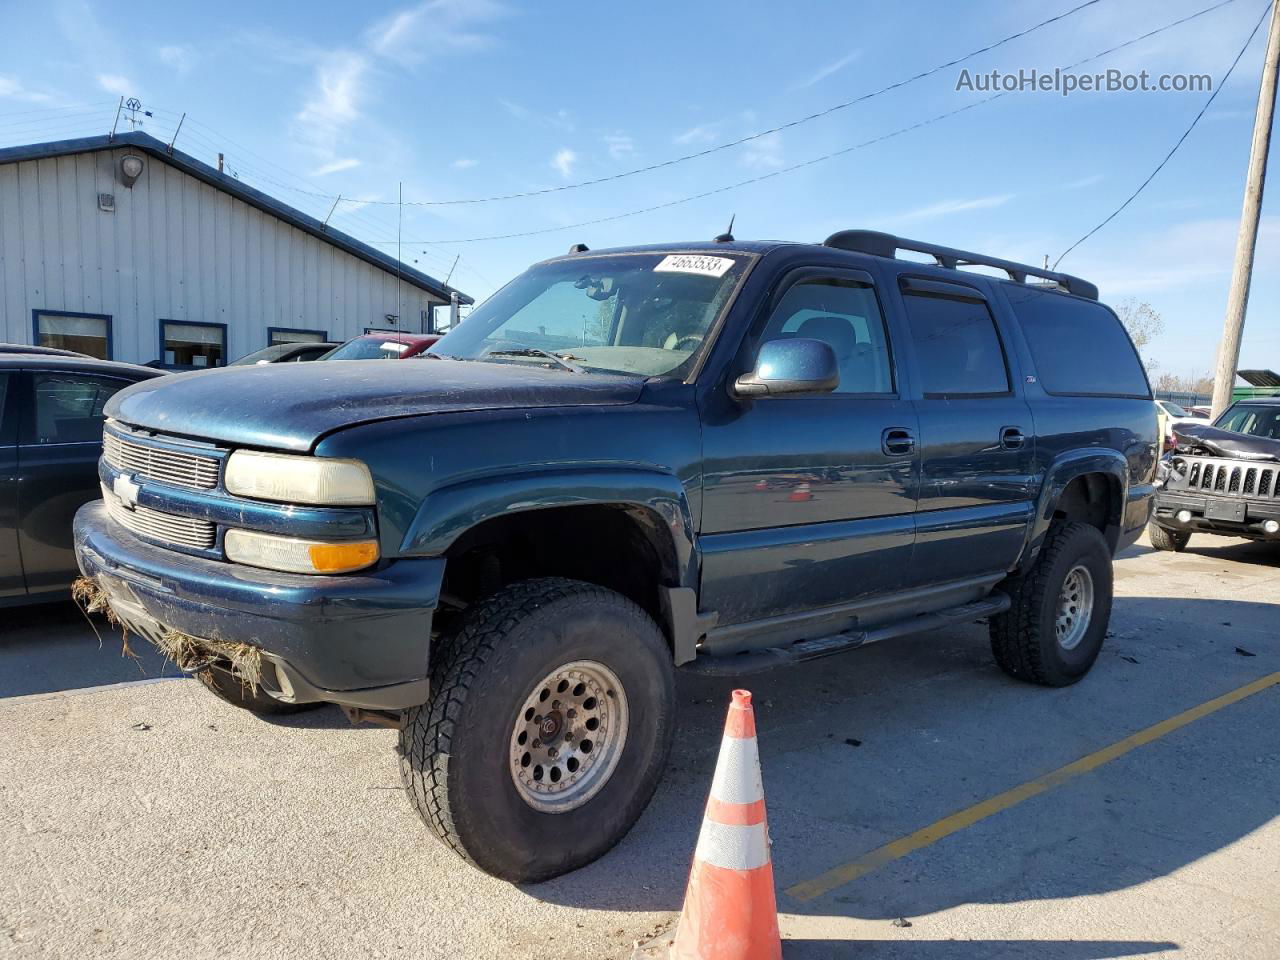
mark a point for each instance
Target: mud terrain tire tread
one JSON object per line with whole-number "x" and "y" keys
{"x": 1022, "y": 638}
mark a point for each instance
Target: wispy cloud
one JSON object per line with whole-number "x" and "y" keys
{"x": 408, "y": 35}
{"x": 11, "y": 89}
{"x": 464, "y": 163}
{"x": 764, "y": 153}
{"x": 621, "y": 146}
{"x": 179, "y": 56}
{"x": 560, "y": 120}
{"x": 335, "y": 166}
{"x": 563, "y": 162}
{"x": 115, "y": 83}
{"x": 1082, "y": 182}
{"x": 335, "y": 100}
{"x": 945, "y": 208}
{"x": 824, "y": 72}
{"x": 698, "y": 134}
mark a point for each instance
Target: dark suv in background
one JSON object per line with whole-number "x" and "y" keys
{"x": 735, "y": 454}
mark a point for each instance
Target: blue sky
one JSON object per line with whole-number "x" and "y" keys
{"x": 472, "y": 98}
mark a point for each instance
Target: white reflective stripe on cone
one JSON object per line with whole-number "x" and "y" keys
{"x": 737, "y": 778}
{"x": 733, "y": 847}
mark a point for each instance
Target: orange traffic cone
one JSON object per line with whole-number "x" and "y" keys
{"x": 801, "y": 493}
{"x": 729, "y": 908}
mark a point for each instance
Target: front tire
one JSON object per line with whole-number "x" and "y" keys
{"x": 549, "y": 723}
{"x": 1053, "y": 631}
{"x": 1163, "y": 538}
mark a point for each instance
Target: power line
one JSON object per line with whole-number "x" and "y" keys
{"x": 898, "y": 84}
{"x": 816, "y": 160}
{"x": 1182, "y": 139}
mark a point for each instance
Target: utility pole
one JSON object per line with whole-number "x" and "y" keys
{"x": 1247, "y": 240}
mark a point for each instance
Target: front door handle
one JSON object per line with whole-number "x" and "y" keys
{"x": 897, "y": 442}
{"x": 1012, "y": 438}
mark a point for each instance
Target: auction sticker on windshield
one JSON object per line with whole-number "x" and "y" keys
{"x": 692, "y": 263}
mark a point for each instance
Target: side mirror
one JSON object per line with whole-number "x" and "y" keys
{"x": 790, "y": 367}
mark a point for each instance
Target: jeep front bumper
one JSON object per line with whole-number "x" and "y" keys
{"x": 360, "y": 640}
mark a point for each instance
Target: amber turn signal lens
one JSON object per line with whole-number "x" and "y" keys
{"x": 341, "y": 557}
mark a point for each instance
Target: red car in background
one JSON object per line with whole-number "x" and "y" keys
{"x": 382, "y": 346}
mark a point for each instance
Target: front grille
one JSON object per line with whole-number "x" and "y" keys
{"x": 165, "y": 527}
{"x": 160, "y": 463}
{"x": 1230, "y": 478}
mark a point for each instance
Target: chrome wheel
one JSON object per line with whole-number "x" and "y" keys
{"x": 569, "y": 736}
{"x": 1075, "y": 607}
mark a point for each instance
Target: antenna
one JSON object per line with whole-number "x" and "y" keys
{"x": 399, "y": 231}
{"x": 727, "y": 236}
{"x": 116, "y": 122}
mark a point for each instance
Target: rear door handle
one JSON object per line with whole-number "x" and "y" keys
{"x": 1012, "y": 438}
{"x": 897, "y": 442}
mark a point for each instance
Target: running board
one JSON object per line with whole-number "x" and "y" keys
{"x": 757, "y": 661}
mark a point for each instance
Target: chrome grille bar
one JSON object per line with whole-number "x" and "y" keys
{"x": 166, "y": 527}
{"x": 160, "y": 463}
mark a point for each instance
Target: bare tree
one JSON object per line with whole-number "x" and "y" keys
{"x": 1144, "y": 325}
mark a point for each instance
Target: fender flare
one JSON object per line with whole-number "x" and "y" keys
{"x": 1066, "y": 467}
{"x": 449, "y": 512}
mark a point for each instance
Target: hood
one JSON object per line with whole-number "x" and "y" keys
{"x": 290, "y": 406}
{"x": 1196, "y": 437}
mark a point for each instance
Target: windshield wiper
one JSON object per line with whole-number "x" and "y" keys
{"x": 524, "y": 350}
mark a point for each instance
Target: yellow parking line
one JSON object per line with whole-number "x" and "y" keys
{"x": 848, "y": 872}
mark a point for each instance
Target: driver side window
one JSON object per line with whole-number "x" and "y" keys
{"x": 845, "y": 315}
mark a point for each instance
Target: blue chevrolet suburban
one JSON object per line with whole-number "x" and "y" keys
{"x": 720, "y": 455}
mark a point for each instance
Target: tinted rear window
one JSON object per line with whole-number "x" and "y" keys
{"x": 1079, "y": 347}
{"x": 957, "y": 347}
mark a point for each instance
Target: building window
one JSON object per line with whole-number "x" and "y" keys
{"x": 193, "y": 345}
{"x": 293, "y": 335}
{"x": 88, "y": 333}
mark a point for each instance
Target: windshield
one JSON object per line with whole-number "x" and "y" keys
{"x": 643, "y": 314}
{"x": 368, "y": 348}
{"x": 1173, "y": 410}
{"x": 1256, "y": 420}
{"x": 266, "y": 355}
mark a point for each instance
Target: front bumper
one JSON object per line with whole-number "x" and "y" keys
{"x": 361, "y": 640}
{"x": 1255, "y": 514}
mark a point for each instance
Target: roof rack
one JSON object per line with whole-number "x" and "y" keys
{"x": 887, "y": 245}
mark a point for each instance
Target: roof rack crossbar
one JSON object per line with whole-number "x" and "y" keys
{"x": 887, "y": 245}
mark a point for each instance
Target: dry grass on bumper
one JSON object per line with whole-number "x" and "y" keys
{"x": 188, "y": 653}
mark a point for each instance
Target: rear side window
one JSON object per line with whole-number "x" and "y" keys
{"x": 1079, "y": 347}
{"x": 957, "y": 347}
{"x": 69, "y": 406}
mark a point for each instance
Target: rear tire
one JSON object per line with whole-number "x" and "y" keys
{"x": 549, "y": 723}
{"x": 223, "y": 685}
{"x": 1162, "y": 538}
{"x": 1053, "y": 631}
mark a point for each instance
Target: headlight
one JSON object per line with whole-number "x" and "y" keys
{"x": 291, "y": 479}
{"x": 292, "y": 555}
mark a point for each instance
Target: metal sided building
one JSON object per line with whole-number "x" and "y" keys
{"x": 122, "y": 249}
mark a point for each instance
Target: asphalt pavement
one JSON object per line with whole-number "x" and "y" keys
{"x": 1133, "y": 814}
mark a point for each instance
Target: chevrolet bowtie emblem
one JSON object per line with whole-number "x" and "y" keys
{"x": 124, "y": 488}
